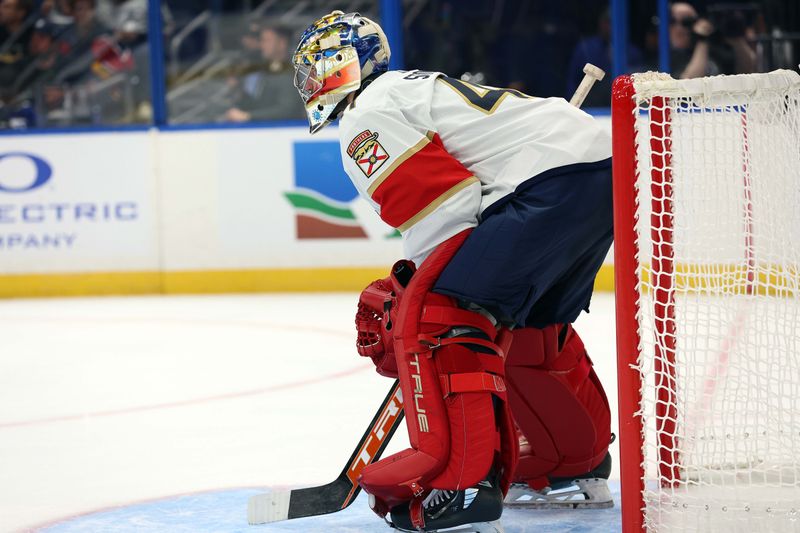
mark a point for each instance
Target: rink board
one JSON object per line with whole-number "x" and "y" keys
{"x": 186, "y": 211}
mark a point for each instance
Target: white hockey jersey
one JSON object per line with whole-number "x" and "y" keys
{"x": 431, "y": 153}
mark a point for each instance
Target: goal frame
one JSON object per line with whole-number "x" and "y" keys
{"x": 629, "y": 381}
{"x": 662, "y": 270}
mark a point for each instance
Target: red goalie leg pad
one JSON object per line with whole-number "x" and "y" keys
{"x": 454, "y": 396}
{"x": 558, "y": 404}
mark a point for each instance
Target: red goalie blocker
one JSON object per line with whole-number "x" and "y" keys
{"x": 454, "y": 396}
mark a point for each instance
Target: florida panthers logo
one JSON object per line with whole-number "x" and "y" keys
{"x": 367, "y": 152}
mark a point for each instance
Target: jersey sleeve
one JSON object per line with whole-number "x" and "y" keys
{"x": 414, "y": 184}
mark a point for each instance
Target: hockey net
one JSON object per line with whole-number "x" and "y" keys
{"x": 707, "y": 262}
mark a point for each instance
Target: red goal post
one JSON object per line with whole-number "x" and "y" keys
{"x": 707, "y": 274}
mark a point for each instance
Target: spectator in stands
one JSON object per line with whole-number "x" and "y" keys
{"x": 75, "y": 47}
{"x": 15, "y": 33}
{"x": 58, "y": 13}
{"x": 698, "y": 49}
{"x": 130, "y": 27}
{"x": 117, "y": 13}
{"x": 249, "y": 58}
{"x": 267, "y": 92}
{"x": 128, "y": 19}
{"x": 44, "y": 57}
{"x": 251, "y": 42}
{"x": 130, "y": 35}
{"x": 77, "y": 39}
{"x": 597, "y": 51}
{"x": 730, "y": 44}
{"x": 688, "y": 37}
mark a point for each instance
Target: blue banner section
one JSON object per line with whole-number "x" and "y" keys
{"x": 318, "y": 166}
{"x": 41, "y": 175}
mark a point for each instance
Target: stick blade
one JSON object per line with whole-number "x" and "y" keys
{"x": 301, "y": 503}
{"x": 268, "y": 507}
{"x": 341, "y": 492}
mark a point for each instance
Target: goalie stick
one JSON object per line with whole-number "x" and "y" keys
{"x": 341, "y": 492}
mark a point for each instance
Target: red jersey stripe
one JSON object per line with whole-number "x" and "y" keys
{"x": 399, "y": 161}
{"x": 434, "y": 205}
{"x": 417, "y": 182}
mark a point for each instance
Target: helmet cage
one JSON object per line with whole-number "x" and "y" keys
{"x": 330, "y": 70}
{"x": 306, "y": 81}
{"x": 324, "y": 79}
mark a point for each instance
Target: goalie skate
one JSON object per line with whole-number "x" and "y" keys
{"x": 590, "y": 493}
{"x": 589, "y": 490}
{"x": 474, "y": 510}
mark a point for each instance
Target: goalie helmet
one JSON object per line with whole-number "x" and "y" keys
{"x": 335, "y": 54}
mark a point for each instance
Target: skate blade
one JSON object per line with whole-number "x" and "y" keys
{"x": 583, "y": 494}
{"x": 559, "y": 505}
{"x": 477, "y": 527}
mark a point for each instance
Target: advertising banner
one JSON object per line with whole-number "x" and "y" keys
{"x": 198, "y": 210}
{"x": 77, "y": 203}
{"x": 265, "y": 198}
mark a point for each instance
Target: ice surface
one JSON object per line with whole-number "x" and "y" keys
{"x": 222, "y": 511}
{"x": 165, "y": 413}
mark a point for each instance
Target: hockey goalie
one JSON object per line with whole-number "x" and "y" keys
{"x": 504, "y": 204}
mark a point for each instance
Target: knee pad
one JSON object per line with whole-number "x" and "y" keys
{"x": 559, "y": 406}
{"x": 457, "y": 417}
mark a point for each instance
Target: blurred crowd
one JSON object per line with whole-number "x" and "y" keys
{"x": 698, "y": 47}
{"x": 540, "y": 47}
{"x": 250, "y": 78}
{"x": 262, "y": 86}
{"x": 73, "y": 62}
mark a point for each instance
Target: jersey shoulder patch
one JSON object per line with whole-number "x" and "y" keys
{"x": 367, "y": 152}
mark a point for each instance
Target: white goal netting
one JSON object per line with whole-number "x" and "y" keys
{"x": 718, "y": 259}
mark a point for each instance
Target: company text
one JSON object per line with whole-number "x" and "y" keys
{"x": 68, "y": 212}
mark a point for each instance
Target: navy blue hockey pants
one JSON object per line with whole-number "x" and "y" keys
{"x": 533, "y": 258}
